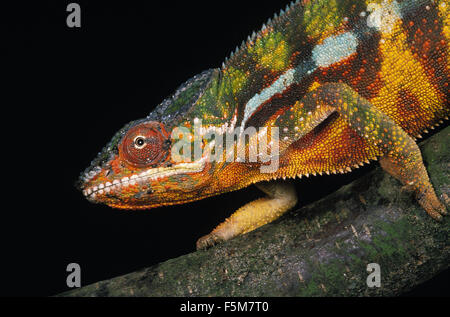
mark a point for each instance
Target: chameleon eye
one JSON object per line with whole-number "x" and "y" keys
{"x": 145, "y": 144}
{"x": 139, "y": 142}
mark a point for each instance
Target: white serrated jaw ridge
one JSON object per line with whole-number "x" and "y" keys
{"x": 145, "y": 177}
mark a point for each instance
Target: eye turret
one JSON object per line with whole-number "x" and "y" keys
{"x": 145, "y": 145}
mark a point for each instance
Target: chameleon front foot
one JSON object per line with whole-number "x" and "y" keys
{"x": 428, "y": 201}
{"x": 281, "y": 196}
{"x": 415, "y": 178}
{"x": 432, "y": 205}
{"x": 208, "y": 241}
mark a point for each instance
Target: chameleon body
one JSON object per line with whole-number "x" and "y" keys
{"x": 342, "y": 83}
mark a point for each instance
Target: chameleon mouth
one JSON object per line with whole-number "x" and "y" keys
{"x": 150, "y": 175}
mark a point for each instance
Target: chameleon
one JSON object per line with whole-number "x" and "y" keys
{"x": 324, "y": 87}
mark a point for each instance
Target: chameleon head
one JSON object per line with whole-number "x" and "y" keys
{"x": 137, "y": 170}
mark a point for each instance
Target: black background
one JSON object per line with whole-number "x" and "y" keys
{"x": 71, "y": 90}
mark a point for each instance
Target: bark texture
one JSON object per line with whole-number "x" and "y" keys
{"x": 322, "y": 249}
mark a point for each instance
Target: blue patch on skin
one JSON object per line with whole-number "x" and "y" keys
{"x": 282, "y": 83}
{"x": 334, "y": 49}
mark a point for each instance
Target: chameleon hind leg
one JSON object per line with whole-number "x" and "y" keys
{"x": 401, "y": 156}
{"x": 281, "y": 196}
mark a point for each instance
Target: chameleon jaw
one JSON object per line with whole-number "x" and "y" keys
{"x": 92, "y": 193}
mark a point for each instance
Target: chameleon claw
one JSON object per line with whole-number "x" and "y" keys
{"x": 208, "y": 241}
{"x": 408, "y": 188}
{"x": 446, "y": 199}
{"x": 432, "y": 205}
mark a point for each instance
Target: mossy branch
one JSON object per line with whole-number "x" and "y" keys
{"x": 319, "y": 250}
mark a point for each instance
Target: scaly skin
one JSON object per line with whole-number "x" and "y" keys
{"x": 344, "y": 82}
